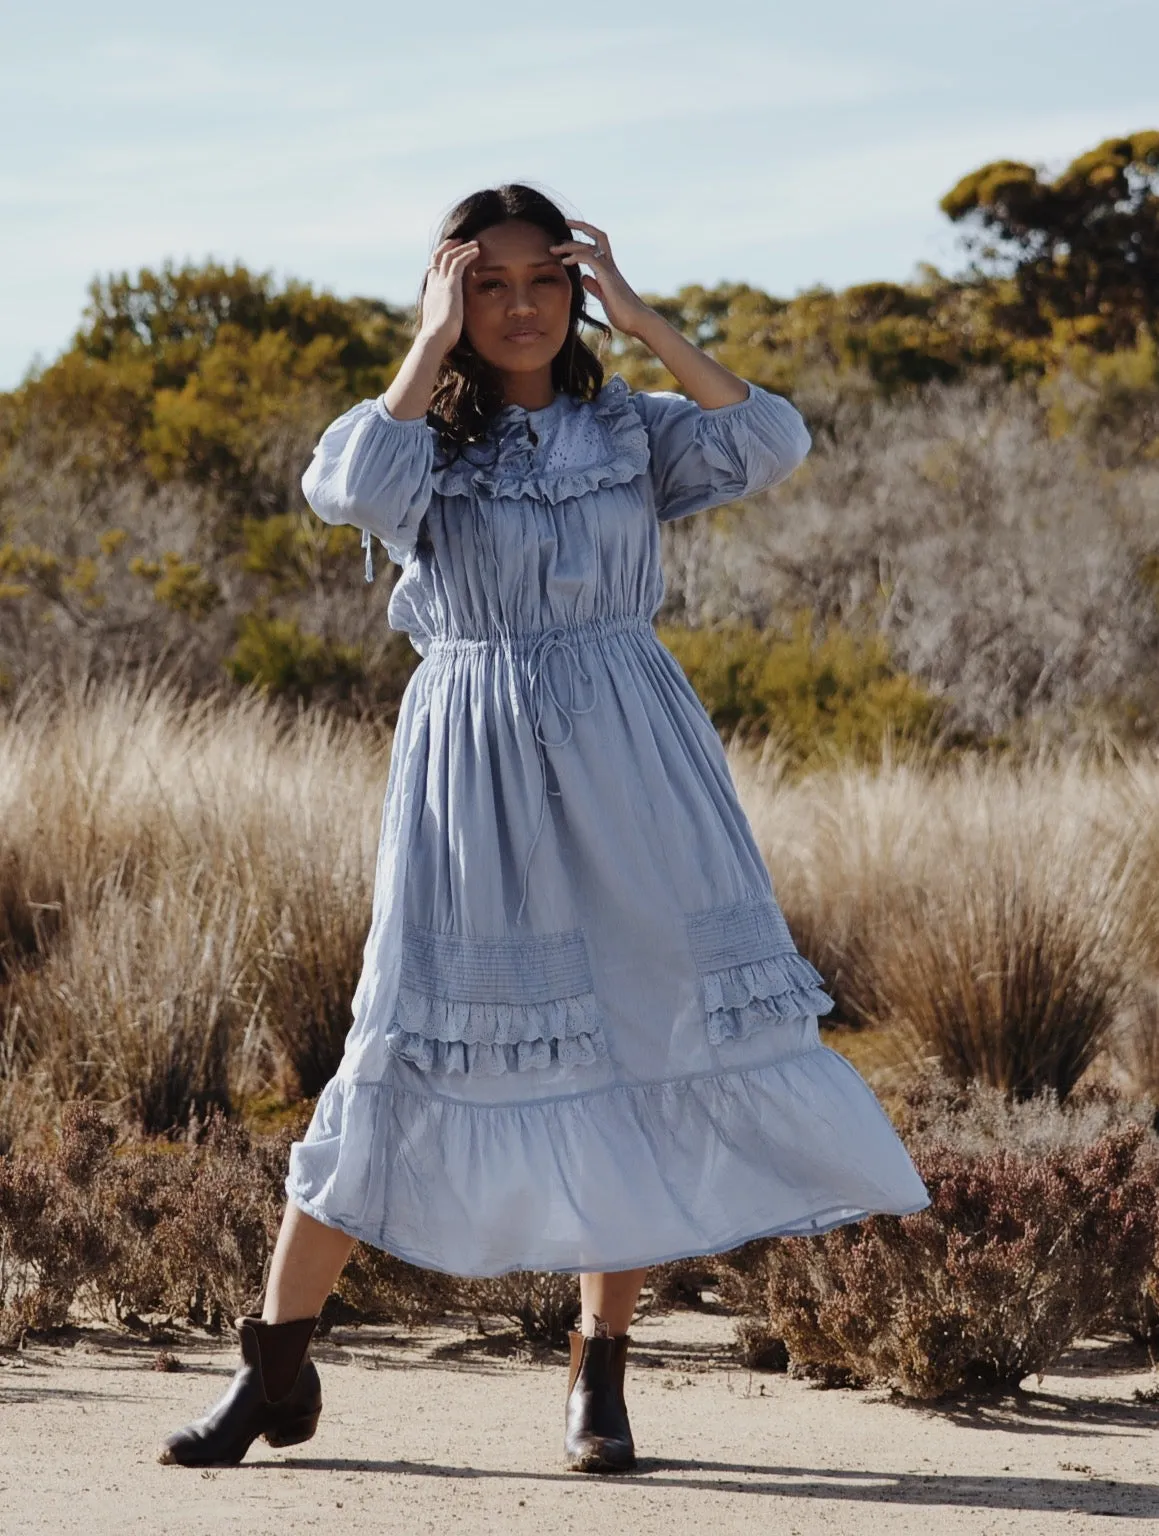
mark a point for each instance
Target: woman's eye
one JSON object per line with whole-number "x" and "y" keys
{"x": 493, "y": 282}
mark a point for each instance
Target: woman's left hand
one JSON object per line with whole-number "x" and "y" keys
{"x": 622, "y": 305}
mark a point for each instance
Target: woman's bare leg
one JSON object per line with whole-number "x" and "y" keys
{"x": 611, "y": 1298}
{"x": 308, "y": 1258}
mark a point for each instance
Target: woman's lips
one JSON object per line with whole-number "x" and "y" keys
{"x": 524, "y": 335}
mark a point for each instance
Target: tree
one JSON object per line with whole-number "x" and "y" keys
{"x": 211, "y": 376}
{"x": 1081, "y": 251}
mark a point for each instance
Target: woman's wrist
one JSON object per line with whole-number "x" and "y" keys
{"x": 647, "y": 324}
{"x": 408, "y": 395}
{"x": 709, "y": 383}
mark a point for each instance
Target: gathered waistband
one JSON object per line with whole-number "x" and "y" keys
{"x": 533, "y": 688}
{"x": 528, "y": 640}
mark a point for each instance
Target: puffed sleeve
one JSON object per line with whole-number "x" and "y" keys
{"x": 373, "y": 470}
{"x": 704, "y": 458}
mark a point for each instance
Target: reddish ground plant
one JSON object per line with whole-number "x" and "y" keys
{"x": 1043, "y": 1226}
{"x": 1018, "y": 1255}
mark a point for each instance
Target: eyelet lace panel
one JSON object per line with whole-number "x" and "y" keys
{"x": 495, "y": 1005}
{"x": 602, "y": 442}
{"x": 751, "y": 971}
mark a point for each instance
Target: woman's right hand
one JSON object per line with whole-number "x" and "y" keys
{"x": 442, "y": 318}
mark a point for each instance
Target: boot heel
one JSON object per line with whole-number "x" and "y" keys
{"x": 294, "y": 1431}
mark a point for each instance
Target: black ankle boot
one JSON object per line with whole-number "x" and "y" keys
{"x": 597, "y": 1435}
{"x": 275, "y": 1392}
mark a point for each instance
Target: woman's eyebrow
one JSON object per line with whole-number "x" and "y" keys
{"x": 549, "y": 261}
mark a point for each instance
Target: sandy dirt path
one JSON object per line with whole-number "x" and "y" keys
{"x": 414, "y": 1439}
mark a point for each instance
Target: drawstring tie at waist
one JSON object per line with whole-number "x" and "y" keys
{"x": 536, "y": 688}
{"x": 540, "y": 689}
{"x": 559, "y": 639}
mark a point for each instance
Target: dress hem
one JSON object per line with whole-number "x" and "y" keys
{"x": 871, "y": 1174}
{"x": 826, "y": 1219}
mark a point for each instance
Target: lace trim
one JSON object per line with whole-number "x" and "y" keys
{"x": 742, "y": 998}
{"x": 511, "y": 473}
{"x": 493, "y": 1060}
{"x": 453, "y": 1035}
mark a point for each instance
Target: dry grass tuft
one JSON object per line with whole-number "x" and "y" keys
{"x": 184, "y": 894}
{"x": 995, "y": 917}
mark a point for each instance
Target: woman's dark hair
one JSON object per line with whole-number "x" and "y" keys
{"x": 468, "y": 393}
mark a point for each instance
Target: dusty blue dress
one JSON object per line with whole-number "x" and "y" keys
{"x": 583, "y": 1038}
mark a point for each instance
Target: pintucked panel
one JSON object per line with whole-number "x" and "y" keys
{"x": 495, "y": 1005}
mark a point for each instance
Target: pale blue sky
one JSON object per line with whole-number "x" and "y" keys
{"x": 734, "y": 140}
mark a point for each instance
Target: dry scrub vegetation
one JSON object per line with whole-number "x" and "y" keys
{"x": 184, "y": 894}
{"x": 1001, "y": 918}
{"x": 1042, "y": 1230}
{"x": 976, "y": 561}
{"x": 185, "y": 891}
{"x": 1006, "y": 568}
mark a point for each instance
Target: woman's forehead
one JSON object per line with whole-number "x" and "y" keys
{"x": 514, "y": 243}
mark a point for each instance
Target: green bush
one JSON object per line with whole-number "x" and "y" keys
{"x": 836, "y": 692}
{"x": 278, "y": 657}
{"x": 295, "y": 550}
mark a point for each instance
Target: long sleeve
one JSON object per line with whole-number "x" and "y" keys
{"x": 704, "y": 458}
{"x": 373, "y": 470}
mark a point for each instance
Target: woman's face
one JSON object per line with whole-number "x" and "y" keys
{"x": 516, "y": 298}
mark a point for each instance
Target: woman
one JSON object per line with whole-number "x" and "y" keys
{"x": 583, "y": 1038}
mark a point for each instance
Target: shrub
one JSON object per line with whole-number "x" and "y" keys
{"x": 993, "y": 915}
{"x": 837, "y": 692}
{"x": 1005, "y": 566}
{"x": 217, "y": 1234}
{"x": 543, "y": 1306}
{"x": 680, "y": 1283}
{"x": 184, "y": 1228}
{"x": 379, "y": 1288}
{"x": 977, "y": 1119}
{"x": 295, "y": 550}
{"x": 1008, "y": 966}
{"x": 144, "y": 1006}
{"x": 178, "y": 584}
{"x": 1034, "y": 1237}
{"x": 276, "y": 656}
{"x": 51, "y": 1242}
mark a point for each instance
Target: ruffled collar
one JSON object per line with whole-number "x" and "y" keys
{"x": 505, "y": 466}
{"x": 511, "y": 416}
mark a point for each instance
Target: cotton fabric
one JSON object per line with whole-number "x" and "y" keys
{"x": 583, "y": 1037}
